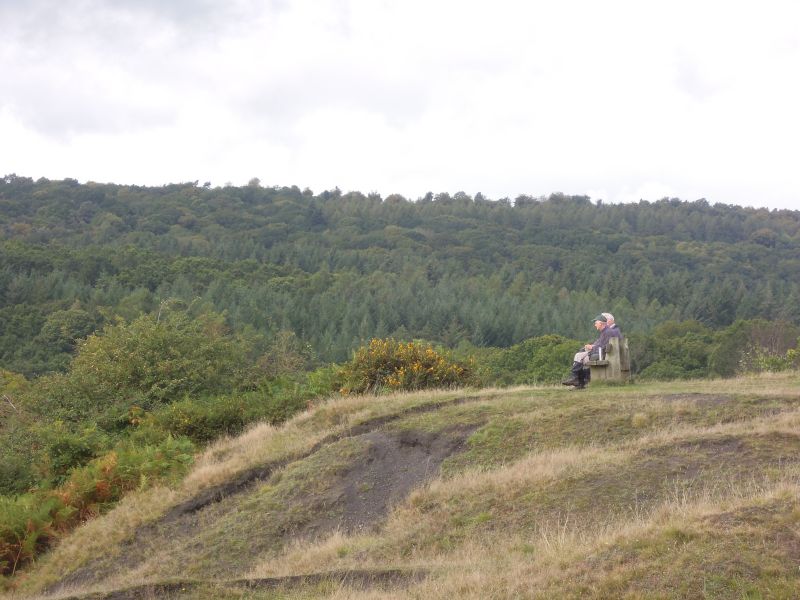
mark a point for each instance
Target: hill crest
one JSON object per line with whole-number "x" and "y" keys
{"x": 657, "y": 489}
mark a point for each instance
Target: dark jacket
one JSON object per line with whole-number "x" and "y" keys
{"x": 605, "y": 335}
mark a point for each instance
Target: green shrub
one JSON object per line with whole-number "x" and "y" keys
{"x": 149, "y": 362}
{"x": 663, "y": 369}
{"x": 286, "y": 354}
{"x": 729, "y": 356}
{"x": 484, "y": 361}
{"x": 322, "y": 381}
{"x": 66, "y": 449}
{"x": 205, "y": 419}
{"x": 277, "y": 402}
{"x": 20, "y": 451}
{"x": 159, "y": 357}
{"x": 55, "y": 397}
{"x": 543, "y": 359}
{"x": 16, "y": 473}
{"x": 757, "y": 359}
{"x": 11, "y": 384}
{"x": 391, "y": 365}
{"x": 675, "y": 350}
{"x": 200, "y": 420}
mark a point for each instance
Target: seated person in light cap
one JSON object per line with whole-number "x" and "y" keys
{"x": 580, "y": 363}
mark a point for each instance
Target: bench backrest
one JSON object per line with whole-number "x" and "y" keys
{"x": 616, "y": 364}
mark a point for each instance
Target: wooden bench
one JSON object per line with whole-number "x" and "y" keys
{"x": 616, "y": 364}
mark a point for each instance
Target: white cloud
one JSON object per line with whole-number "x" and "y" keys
{"x": 628, "y": 99}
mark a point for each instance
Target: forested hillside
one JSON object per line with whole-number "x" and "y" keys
{"x": 338, "y": 269}
{"x": 137, "y": 325}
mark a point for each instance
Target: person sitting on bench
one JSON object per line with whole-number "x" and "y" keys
{"x": 610, "y": 324}
{"x": 580, "y": 363}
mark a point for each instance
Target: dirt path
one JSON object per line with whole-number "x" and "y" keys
{"x": 391, "y": 578}
{"x": 395, "y": 464}
{"x": 359, "y": 499}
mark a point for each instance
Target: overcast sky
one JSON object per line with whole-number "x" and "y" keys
{"x": 619, "y": 100}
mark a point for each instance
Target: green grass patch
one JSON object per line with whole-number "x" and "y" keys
{"x": 750, "y": 552}
{"x": 520, "y": 426}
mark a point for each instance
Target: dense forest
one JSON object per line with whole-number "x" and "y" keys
{"x": 337, "y": 269}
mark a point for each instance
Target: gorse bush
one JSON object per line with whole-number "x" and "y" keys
{"x": 391, "y": 365}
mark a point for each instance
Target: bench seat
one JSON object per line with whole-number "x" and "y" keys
{"x": 616, "y": 366}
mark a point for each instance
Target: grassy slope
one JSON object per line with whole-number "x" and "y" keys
{"x": 672, "y": 490}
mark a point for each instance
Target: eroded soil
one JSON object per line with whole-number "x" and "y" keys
{"x": 226, "y": 535}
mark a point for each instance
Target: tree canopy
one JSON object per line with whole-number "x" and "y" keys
{"x": 340, "y": 268}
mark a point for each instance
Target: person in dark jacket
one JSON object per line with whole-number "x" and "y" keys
{"x": 611, "y": 324}
{"x": 580, "y": 363}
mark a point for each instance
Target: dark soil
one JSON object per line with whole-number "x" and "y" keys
{"x": 359, "y": 499}
{"x": 395, "y": 464}
{"x": 701, "y": 400}
{"x": 261, "y": 473}
{"x": 358, "y": 578}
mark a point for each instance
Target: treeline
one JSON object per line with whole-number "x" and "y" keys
{"x": 338, "y": 269}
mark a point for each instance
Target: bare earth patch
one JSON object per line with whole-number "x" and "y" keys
{"x": 395, "y": 463}
{"x": 378, "y": 470}
{"x": 701, "y": 400}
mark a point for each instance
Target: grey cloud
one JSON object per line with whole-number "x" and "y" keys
{"x": 290, "y": 96}
{"x": 60, "y": 109}
{"x": 274, "y": 108}
{"x": 129, "y": 32}
{"x": 62, "y": 61}
{"x": 106, "y": 19}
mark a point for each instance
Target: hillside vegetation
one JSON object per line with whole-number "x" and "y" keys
{"x": 659, "y": 490}
{"x": 141, "y": 326}
{"x": 338, "y": 269}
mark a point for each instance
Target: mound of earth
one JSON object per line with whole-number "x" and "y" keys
{"x": 227, "y": 531}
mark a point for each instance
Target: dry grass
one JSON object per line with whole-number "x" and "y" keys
{"x": 541, "y": 564}
{"x": 101, "y": 536}
{"x": 543, "y": 496}
{"x": 264, "y": 443}
{"x": 219, "y": 463}
{"x": 338, "y": 549}
{"x": 555, "y": 538}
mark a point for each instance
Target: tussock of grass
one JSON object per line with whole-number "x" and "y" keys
{"x": 680, "y": 550}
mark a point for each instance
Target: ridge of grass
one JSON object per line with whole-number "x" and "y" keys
{"x": 220, "y": 462}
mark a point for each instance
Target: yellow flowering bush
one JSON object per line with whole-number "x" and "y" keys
{"x": 389, "y": 365}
